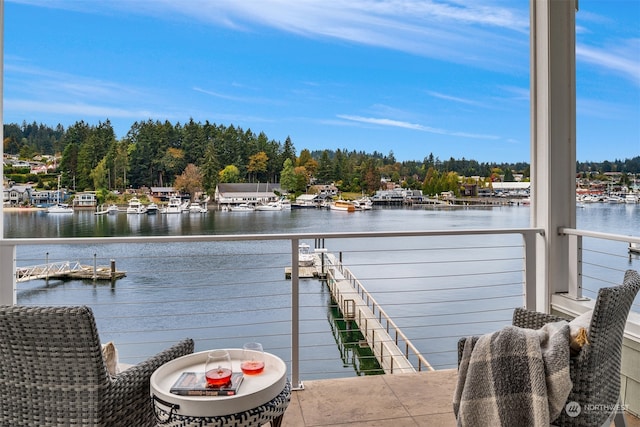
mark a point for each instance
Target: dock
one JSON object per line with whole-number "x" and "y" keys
{"x": 68, "y": 270}
{"x": 360, "y": 308}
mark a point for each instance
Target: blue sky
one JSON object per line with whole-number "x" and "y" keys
{"x": 447, "y": 77}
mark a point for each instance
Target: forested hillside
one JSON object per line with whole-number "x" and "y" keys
{"x": 155, "y": 153}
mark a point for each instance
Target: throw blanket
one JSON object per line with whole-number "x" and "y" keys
{"x": 514, "y": 377}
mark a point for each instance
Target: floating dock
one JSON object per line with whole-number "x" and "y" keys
{"x": 359, "y": 307}
{"x": 67, "y": 270}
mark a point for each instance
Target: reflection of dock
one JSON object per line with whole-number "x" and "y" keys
{"x": 67, "y": 270}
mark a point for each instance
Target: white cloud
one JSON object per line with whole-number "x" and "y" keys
{"x": 455, "y": 99}
{"x": 234, "y": 98}
{"x": 483, "y": 35}
{"x": 622, "y": 59}
{"x": 412, "y": 126}
{"x": 75, "y": 109}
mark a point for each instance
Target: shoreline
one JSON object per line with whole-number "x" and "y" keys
{"x": 29, "y": 209}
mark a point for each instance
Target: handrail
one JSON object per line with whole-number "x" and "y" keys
{"x": 373, "y": 304}
{"x": 245, "y": 237}
{"x": 598, "y": 235}
{"x": 575, "y": 239}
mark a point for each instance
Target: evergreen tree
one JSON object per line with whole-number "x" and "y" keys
{"x": 288, "y": 181}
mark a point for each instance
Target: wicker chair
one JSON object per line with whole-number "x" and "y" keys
{"x": 595, "y": 371}
{"x": 52, "y": 372}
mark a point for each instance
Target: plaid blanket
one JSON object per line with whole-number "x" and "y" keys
{"x": 514, "y": 377}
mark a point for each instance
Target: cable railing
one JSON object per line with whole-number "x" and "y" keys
{"x": 426, "y": 289}
{"x": 600, "y": 261}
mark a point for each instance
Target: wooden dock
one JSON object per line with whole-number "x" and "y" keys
{"x": 67, "y": 270}
{"x": 350, "y": 296}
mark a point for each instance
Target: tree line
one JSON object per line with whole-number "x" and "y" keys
{"x": 197, "y": 156}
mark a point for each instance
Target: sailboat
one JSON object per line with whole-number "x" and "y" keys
{"x": 59, "y": 208}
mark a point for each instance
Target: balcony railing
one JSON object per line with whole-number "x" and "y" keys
{"x": 427, "y": 289}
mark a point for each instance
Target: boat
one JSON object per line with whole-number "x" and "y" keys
{"x": 60, "y": 208}
{"x": 634, "y": 248}
{"x": 286, "y": 204}
{"x": 196, "y": 207}
{"x": 342, "y": 205}
{"x": 135, "y": 207}
{"x": 614, "y": 199}
{"x": 242, "y": 207}
{"x": 111, "y": 209}
{"x": 305, "y": 256}
{"x": 631, "y": 198}
{"x": 271, "y": 206}
{"x": 363, "y": 204}
{"x": 174, "y": 206}
{"x": 152, "y": 208}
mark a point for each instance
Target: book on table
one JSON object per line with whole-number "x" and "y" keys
{"x": 195, "y": 384}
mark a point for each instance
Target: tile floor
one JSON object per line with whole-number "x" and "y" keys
{"x": 400, "y": 400}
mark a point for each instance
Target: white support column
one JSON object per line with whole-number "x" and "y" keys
{"x": 7, "y": 276}
{"x": 7, "y": 253}
{"x": 553, "y": 140}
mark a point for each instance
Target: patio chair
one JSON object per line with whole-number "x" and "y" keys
{"x": 52, "y": 372}
{"x": 595, "y": 371}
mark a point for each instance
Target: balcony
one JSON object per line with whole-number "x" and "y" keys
{"x": 426, "y": 289}
{"x": 549, "y": 267}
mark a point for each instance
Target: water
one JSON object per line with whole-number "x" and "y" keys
{"x": 160, "y": 274}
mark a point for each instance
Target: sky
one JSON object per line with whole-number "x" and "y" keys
{"x": 408, "y": 77}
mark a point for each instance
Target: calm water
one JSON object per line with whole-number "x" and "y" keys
{"x": 159, "y": 274}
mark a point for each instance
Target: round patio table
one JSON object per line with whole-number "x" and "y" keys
{"x": 260, "y": 399}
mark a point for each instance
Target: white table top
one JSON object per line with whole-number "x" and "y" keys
{"x": 254, "y": 391}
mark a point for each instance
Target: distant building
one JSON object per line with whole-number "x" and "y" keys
{"x": 17, "y": 195}
{"x": 162, "y": 193}
{"x": 85, "y": 200}
{"x": 234, "y": 194}
{"x": 325, "y": 191}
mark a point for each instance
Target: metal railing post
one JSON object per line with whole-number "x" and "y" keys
{"x": 530, "y": 285}
{"x": 7, "y": 275}
{"x": 575, "y": 267}
{"x": 295, "y": 317}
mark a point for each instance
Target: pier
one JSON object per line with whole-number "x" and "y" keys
{"x": 68, "y": 270}
{"x": 358, "y": 307}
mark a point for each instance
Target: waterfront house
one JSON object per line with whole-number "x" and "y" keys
{"x": 43, "y": 198}
{"x": 162, "y": 193}
{"x": 235, "y": 194}
{"x": 325, "y": 191}
{"x": 18, "y": 195}
{"x": 85, "y": 200}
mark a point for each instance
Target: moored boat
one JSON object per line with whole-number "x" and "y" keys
{"x": 196, "y": 207}
{"x": 135, "y": 206}
{"x": 342, "y": 205}
{"x": 60, "y": 208}
{"x": 242, "y": 207}
{"x": 152, "y": 208}
{"x": 271, "y": 206}
{"x": 363, "y": 204}
{"x": 174, "y": 206}
{"x": 305, "y": 256}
